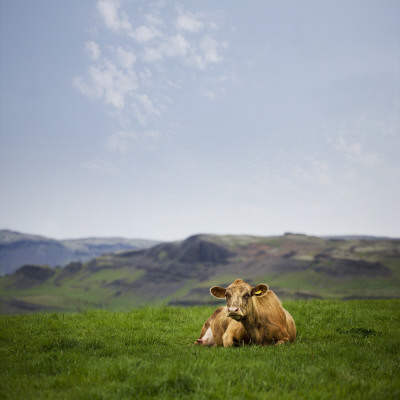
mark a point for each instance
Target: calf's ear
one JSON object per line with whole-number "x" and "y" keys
{"x": 260, "y": 290}
{"x": 218, "y": 292}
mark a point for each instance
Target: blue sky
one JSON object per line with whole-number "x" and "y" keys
{"x": 162, "y": 119}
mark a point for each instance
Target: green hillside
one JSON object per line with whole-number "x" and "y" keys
{"x": 180, "y": 273}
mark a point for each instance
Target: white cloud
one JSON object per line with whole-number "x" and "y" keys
{"x": 208, "y": 93}
{"x": 145, "y": 34}
{"x": 136, "y": 92}
{"x": 119, "y": 142}
{"x": 154, "y": 20}
{"x": 106, "y": 81}
{"x": 144, "y": 109}
{"x": 125, "y": 58}
{"x": 354, "y": 152}
{"x": 170, "y": 39}
{"x": 148, "y": 104}
{"x": 146, "y": 77}
{"x": 113, "y": 17}
{"x": 172, "y": 46}
{"x": 200, "y": 55}
{"x": 188, "y": 22}
{"x": 152, "y": 54}
{"x": 92, "y": 50}
{"x": 208, "y": 53}
{"x": 87, "y": 90}
{"x": 176, "y": 45}
{"x": 215, "y": 87}
{"x": 210, "y": 47}
{"x": 115, "y": 83}
{"x": 213, "y": 93}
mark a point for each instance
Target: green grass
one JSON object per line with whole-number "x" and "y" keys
{"x": 344, "y": 350}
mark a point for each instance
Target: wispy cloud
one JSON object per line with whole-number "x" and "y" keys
{"x": 214, "y": 88}
{"x": 125, "y": 69}
{"x": 92, "y": 50}
{"x": 109, "y": 82}
{"x": 121, "y": 141}
{"x": 113, "y": 17}
{"x": 355, "y": 152}
{"x": 101, "y": 167}
{"x": 144, "y": 34}
{"x": 125, "y": 58}
{"x": 170, "y": 46}
{"x": 144, "y": 109}
{"x": 211, "y": 49}
{"x": 188, "y": 22}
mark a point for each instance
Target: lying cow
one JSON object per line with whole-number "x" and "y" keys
{"x": 252, "y": 315}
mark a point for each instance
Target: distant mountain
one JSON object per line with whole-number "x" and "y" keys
{"x": 17, "y": 249}
{"x": 294, "y": 266}
{"x": 359, "y": 237}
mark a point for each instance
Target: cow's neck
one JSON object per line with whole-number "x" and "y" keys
{"x": 255, "y": 324}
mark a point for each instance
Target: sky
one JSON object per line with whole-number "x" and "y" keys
{"x": 162, "y": 119}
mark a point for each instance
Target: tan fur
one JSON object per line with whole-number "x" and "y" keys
{"x": 252, "y": 314}
{"x": 226, "y": 331}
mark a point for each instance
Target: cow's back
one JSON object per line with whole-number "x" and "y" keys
{"x": 270, "y": 307}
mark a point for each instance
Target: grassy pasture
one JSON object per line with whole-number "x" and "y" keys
{"x": 344, "y": 350}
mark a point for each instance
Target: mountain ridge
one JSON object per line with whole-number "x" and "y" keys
{"x": 18, "y": 249}
{"x": 295, "y": 266}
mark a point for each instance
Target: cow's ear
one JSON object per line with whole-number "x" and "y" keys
{"x": 260, "y": 290}
{"x": 218, "y": 292}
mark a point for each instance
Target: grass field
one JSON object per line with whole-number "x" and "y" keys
{"x": 348, "y": 350}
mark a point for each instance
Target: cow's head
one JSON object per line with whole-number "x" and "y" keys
{"x": 239, "y": 297}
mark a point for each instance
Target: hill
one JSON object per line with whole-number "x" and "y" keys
{"x": 180, "y": 273}
{"x": 17, "y": 249}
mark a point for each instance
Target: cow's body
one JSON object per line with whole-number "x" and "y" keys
{"x": 252, "y": 315}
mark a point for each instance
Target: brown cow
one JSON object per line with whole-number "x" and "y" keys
{"x": 252, "y": 315}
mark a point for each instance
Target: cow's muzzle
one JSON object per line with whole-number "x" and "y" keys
{"x": 235, "y": 313}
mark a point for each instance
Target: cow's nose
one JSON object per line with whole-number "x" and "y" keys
{"x": 233, "y": 309}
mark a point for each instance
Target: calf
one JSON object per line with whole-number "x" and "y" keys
{"x": 252, "y": 315}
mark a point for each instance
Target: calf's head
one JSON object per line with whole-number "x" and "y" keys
{"x": 239, "y": 297}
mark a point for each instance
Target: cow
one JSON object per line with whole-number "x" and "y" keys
{"x": 251, "y": 315}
